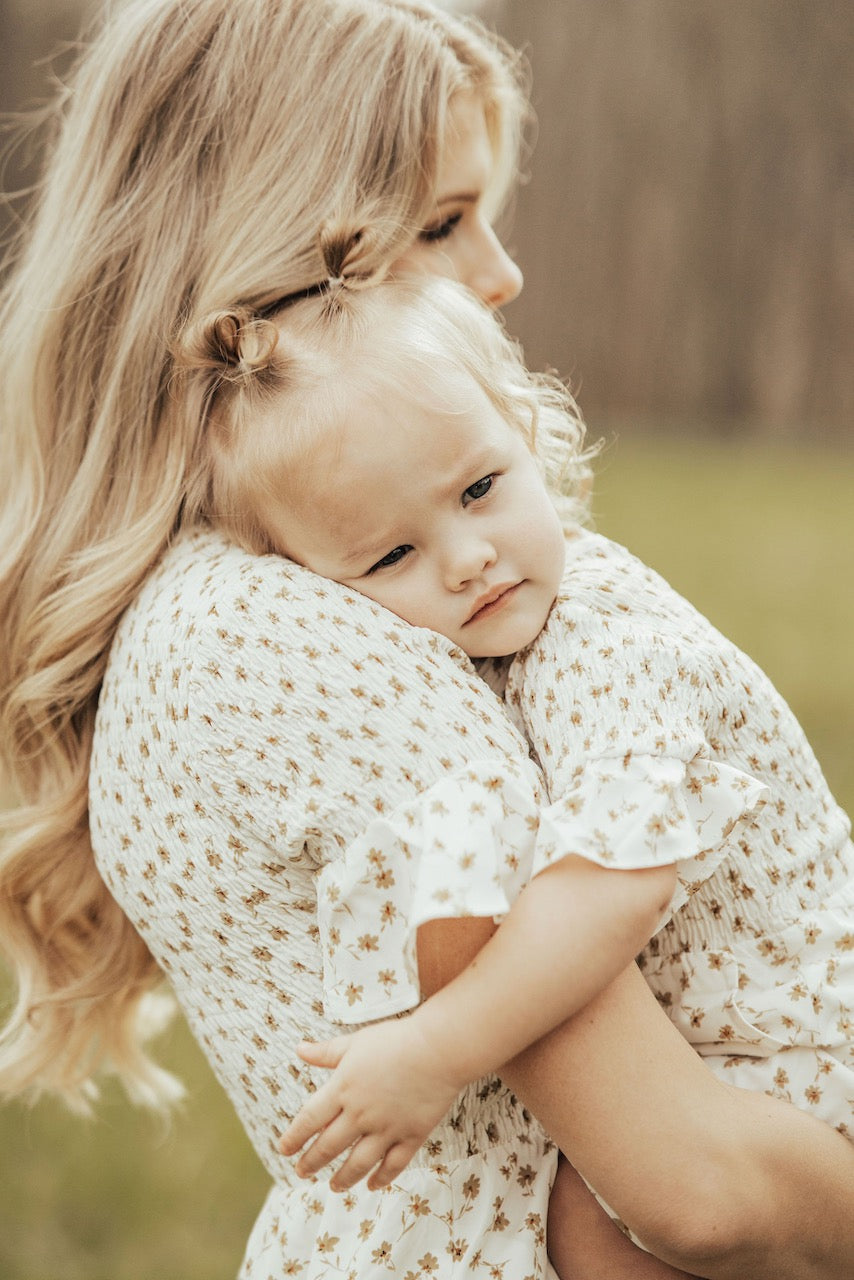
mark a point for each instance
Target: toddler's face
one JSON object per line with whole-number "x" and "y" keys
{"x": 438, "y": 513}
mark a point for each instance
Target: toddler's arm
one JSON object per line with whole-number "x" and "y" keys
{"x": 572, "y": 930}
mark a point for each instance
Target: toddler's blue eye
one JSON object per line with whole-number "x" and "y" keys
{"x": 479, "y": 489}
{"x": 393, "y": 557}
{"x": 442, "y": 230}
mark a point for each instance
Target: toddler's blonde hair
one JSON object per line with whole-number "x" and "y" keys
{"x": 276, "y": 386}
{"x": 191, "y": 159}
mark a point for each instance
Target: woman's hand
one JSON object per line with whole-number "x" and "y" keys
{"x": 389, "y": 1090}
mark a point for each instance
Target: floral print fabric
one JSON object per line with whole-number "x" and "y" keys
{"x": 468, "y": 846}
{"x": 253, "y": 721}
{"x": 267, "y": 741}
{"x": 756, "y": 966}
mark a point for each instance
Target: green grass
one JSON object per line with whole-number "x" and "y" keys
{"x": 124, "y": 1198}
{"x": 761, "y": 538}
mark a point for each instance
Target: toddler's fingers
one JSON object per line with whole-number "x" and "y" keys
{"x": 394, "y": 1162}
{"x": 319, "y": 1112}
{"x": 336, "y": 1137}
{"x": 323, "y": 1053}
{"x": 363, "y": 1157}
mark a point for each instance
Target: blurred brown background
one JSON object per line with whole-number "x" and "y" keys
{"x": 687, "y": 232}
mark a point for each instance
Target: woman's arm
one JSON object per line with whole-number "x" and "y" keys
{"x": 573, "y": 928}
{"x": 585, "y": 1243}
{"x": 721, "y": 1182}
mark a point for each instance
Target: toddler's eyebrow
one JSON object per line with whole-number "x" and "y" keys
{"x": 368, "y": 549}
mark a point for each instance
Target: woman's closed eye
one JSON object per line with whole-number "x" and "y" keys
{"x": 393, "y": 557}
{"x": 441, "y": 231}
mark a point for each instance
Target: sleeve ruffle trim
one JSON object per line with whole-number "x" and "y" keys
{"x": 469, "y": 844}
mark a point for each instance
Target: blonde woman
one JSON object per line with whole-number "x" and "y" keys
{"x": 177, "y": 714}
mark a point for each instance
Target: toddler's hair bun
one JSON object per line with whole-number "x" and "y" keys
{"x": 234, "y": 346}
{"x": 351, "y": 256}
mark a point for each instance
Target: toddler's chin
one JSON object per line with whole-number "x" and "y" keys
{"x": 501, "y": 650}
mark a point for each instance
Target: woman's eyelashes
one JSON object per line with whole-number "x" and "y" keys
{"x": 393, "y": 557}
{"x": 441, "y": 231}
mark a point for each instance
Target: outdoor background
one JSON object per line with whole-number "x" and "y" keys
{"x": 687, "y": 237}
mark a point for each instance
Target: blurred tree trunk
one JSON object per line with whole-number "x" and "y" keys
{"x": 34, "y": 38}
{"x": 687, "y": 235}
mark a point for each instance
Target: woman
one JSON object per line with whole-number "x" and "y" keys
{"x": 205, "y": 147}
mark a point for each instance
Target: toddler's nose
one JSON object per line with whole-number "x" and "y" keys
{"x": 466, "y": 561}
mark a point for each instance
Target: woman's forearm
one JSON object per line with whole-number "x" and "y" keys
{"x": 717, "y": 1181}
{"x": 571, "y": 931}
{"x": 584, "y": 1243}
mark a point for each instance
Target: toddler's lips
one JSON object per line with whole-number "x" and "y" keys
{"x": 491, "y": 601}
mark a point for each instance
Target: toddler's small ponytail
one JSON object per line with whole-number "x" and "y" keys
{"x": 234, "y": 347}
{"x": 352, "y": 259}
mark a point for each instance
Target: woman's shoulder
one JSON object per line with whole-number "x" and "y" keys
{"x": 203, "y": 577}
{"x": 207, "y": 593}
{"x": 221, "y": 621}
{"x": 603, "y": 577}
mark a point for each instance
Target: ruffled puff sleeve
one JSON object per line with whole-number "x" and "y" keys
{"x": 649, "y": 811}
{"x": 467, "y": 847}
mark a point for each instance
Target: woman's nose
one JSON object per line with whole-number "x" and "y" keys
{"x": 497, "y": 278}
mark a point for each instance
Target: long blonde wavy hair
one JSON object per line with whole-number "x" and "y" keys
{"x": 195, "y": 152}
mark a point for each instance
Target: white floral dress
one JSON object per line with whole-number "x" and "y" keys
{"x": 253, "y": 721}
{"x": 643, "y": 713}
{"x": 286, "y": 781}
{"x": 660, "y": 742}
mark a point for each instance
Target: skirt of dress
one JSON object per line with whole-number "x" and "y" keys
{"x": 482, "y": 1217}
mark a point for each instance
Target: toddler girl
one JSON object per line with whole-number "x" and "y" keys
{"x": 391, "y": 439}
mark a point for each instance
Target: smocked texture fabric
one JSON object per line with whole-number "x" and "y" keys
{"x": 756, "y": 968}
{"x": 287, "y": 781}
{"x": 253, "y": 721}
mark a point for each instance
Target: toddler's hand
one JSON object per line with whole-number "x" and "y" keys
{"x": 389, "y": 1090}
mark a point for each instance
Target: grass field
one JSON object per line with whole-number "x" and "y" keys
{"x": 761, "y": 538}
